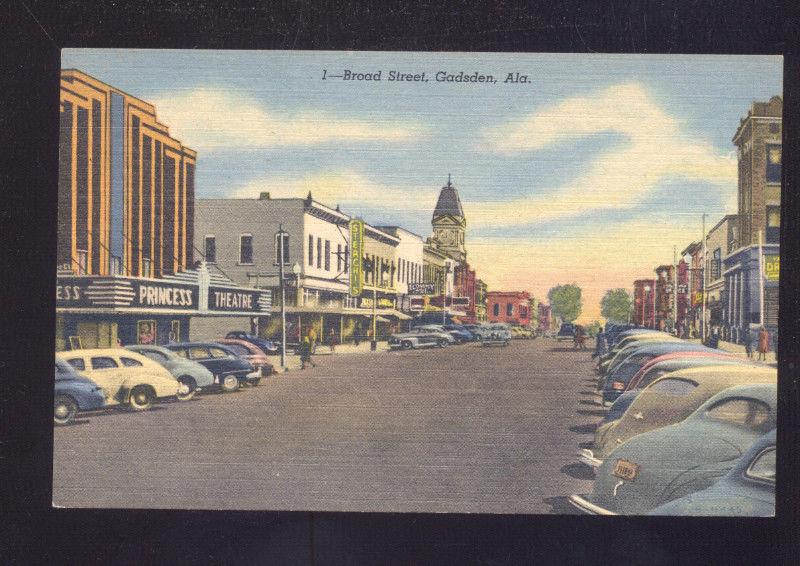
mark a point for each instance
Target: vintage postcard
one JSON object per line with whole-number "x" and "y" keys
{"x": 418, "y": 282}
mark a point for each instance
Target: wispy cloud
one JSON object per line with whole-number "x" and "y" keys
{"x": 351, "y": 189}
{"x": 657, "y": 148}
{"x": 208, "y": 119}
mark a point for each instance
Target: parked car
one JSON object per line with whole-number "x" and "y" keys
{"x": 748, "y": 490}
{"x": 630, "y": 343}
{"x": 440, "y": 329}
{"x": 460, "y": 333}
{"x": 475, "y": 330}
{"x": 419, "y": 337}
{"x": 670, "y": 399}
{"x": 230, "y": 371}
{"x": 253, "y": 354}
{"x": 73, "y": 393}
{"x": 520, "y": 332}
{"x": 127, "y": 378}
{"x": 269, "y": 347}
{"x": 618, "y": 377}
{"x": 666, "y": 464}
{"x": 190, "y": 373}
{"x": 566, "y": 332}
{"x": 497, "y": 334}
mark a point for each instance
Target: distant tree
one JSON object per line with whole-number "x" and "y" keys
{"x": 593, "y": 328}
{"x": 616, "y": 304}
{"x": 565, "y": 301}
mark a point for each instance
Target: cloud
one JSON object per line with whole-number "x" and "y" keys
{"x": 656, "y": 149}
{"x": 351, "y": 189}
{"x": 597, "y": 258}
{"x": 210, "y": 119}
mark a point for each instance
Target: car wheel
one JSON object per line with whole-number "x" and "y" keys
{"x": 230, "y": 383}
{"x": 142, "y": 398}
{"x": 64, "y": 409}
{"x": 188, "y": 388}
{"x": 406, "y": 344}
{"x": 441, "y": 342}
{"x": 254, "y": 381}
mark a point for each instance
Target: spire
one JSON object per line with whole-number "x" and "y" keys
{"x": 448, "y": 203}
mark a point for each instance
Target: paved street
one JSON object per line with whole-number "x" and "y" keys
{"x": 463, "y": 429}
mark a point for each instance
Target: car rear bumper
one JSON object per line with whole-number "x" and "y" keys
{"x": 585, "y": 506}
{"x": 586, "y": 456}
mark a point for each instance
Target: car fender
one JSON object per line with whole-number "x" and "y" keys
{"x": 163, "y": 386}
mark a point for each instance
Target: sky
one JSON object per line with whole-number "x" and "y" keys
{"x": 591, "y": 172}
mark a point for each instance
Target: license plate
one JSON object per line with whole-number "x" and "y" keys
{"x": 626, "y": 470}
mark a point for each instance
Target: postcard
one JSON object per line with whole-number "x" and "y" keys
{"x": 417, "y": 282}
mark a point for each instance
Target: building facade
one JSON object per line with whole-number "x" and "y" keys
{"x": 449, "y": 224}
{"x": 664, "y": 288}
{"x": 125, "y": 226}
{"x": 719, "y": 243}
{"x": 511, "y": 307}
{"x": 752, "y": 267}
{"x": 481, "y": 289}
{"x": 644, "y": 302}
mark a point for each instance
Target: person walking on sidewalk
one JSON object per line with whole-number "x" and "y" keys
{"x": 600, "y": 344}
{"x": 332, "y": 341}
{"x": 748, "y": 343}
{"x": 312, "y": 337}
{"x": 305, "y": 354}
{"x": 763, "y": 344}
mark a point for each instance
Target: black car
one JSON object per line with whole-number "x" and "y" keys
{"x": 268, "y": 346}
{"x": 230, "y": 371}
{"x": 566, "y": 332}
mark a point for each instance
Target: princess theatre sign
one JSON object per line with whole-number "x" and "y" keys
{"x": 193, "y": 293}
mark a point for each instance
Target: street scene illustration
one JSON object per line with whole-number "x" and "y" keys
{"x": 418, "y": 282}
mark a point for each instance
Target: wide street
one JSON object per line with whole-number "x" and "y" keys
{"x": 461, "y": 429}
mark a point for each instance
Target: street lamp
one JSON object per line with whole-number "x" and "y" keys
{"x": 645, "y": 300}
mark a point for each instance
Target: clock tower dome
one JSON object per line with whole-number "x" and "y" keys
{"x": 449, "y": 224}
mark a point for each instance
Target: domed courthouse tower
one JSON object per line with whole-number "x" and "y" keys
{"x": 449, "y": 224}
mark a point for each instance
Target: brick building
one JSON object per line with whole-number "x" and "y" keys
{"x": 512, "y": 307}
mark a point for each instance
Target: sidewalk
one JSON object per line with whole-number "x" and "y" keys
{"x": 293, "y": 361}
{"x": 739, "y": 350}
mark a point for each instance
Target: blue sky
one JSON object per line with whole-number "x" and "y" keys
{"x": 595, "y": 148}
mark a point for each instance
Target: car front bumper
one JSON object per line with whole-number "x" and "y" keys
{"x": 581, "y": 503}
{"x": 586, "y": 456}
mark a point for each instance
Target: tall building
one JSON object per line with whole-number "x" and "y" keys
{"x": 125, "y": 227}
{"x": 644, "y": 302}
{"x": 751, "y": 270}
{"x": 126, "y": 187}
{"x": 449, "y": 224}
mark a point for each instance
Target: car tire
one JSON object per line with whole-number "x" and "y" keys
{"x": 191, "y": 384}
{"x": 229, "y": 383}
{"x": 254, "y": 381}
{"x": 141, "y": 399}
{"x": 64, "y": 409}
{"x": 441, "y": 342}
{"x": 406, "y": 345}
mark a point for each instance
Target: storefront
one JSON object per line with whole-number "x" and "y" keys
{"x": 746, "y": 296}
{"x": 97, "y": 311}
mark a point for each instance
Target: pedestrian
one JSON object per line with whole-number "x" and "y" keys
{"x": 713, "y": 339}
{"x": 579, "y": 338}
{"x": 332, "y": 340}
{"x": 763, "y": 344}
{"x": 748, "y": 343}
{"x": 600, "y": 344}
{"x": 357, "y": 335}
{"x": 312, "y": 337}
{"x": 305, "y": 353}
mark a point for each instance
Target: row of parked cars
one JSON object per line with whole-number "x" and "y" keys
{"x": 136, "y": 376}
{"x": 442, "y": 335}
{"x": 689, "y": 430}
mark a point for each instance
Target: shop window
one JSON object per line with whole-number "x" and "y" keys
{"x": 210, "y": 251}
{"x": 773, "y": 234}
{"x": 281, "y": 244}
{"x": 246, "y": 249}
{"x": 773, "y": 163}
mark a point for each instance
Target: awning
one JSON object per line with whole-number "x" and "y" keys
{"x": 381, "y": 319}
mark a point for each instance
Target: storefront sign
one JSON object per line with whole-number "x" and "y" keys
{"x": 772, "y": 267}
{"x": 416, "y": 303}
{"x": 459, "y": 301}
{"x": 356, "y": 255}
{"x": 421, "y": 289}
{"x": 238, "y": 300}
{"x": 383, "y": 303}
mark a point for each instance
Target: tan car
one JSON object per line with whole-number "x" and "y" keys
{"x": 669, "y": 400}
{"x": 127, "y": 378}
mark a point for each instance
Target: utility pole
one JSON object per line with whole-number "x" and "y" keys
{"x": 704, "y": 270}
{"x": 373, "y": 345}
{"x": 675, "y": 290}
{"x": 761, "y": 277}
{"x": 283, "y": 295}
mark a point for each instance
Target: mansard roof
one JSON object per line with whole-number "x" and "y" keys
{"x": 448, "y": 204}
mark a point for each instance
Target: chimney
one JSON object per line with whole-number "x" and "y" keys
{"x": 264, "y": 196}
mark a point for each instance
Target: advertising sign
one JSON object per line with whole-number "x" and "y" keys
{"x": 420, "y": 288}
{"x": 772, "y": 267}
{"x": 356, "y": 255}
{"x": 238, "y": 300}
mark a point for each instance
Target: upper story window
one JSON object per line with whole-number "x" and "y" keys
{"x": 773, "y": 234}
{"x": 210, "y": 250}
{"x": 716, "y": 264}
{"x": 311, "y": 251}
{"x": 327, "y": 255}
{"x": 281, "y": 243}
{"x": 773, "y": 163}
{"x": 509, "y": 309}
{"x": 319, "y": 253}
{"x": 338, "y": 258}
{"x": 246, "y": 248}
{"x": 496, "y": 309}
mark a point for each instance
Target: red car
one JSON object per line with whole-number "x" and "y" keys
{"x": 253, "y": 354}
